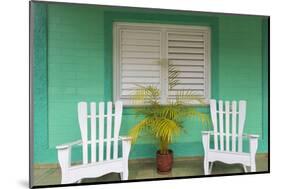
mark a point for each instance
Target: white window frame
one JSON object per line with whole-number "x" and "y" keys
{"x": 164, "y": 54}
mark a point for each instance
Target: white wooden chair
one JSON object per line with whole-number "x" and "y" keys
{"x": 228, "y": 124}
{"x": 104, "y": 150}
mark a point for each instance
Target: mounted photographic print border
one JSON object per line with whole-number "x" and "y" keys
{"x": 96, "y": 66}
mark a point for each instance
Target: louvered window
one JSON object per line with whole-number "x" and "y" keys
{"x": 138, "y": 49}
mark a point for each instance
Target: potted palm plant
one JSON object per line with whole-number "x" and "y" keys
{"x": 164, "y": 121}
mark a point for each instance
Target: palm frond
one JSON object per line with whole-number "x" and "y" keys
{"x": 146, "y": 95}
{"x": 189, "y": 97}
{"x": 165, "y": 129}
{"x": 173, "y": 75}
{"x": 139, "y": 128}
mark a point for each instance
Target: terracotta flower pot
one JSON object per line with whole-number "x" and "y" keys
{"x": 164, "y": 162}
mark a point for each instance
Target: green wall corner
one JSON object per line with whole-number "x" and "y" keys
{"x": 40, "y": 83}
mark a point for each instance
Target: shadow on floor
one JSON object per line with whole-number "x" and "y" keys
{"x": 147, "y": 170}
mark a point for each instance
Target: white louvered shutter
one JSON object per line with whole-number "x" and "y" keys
{"x": 139, "y": 56}
{"x": 188, "y": 53}
{"x": 138, "y": 49}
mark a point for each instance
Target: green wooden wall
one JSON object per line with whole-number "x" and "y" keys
{"x": 77, "y": 65}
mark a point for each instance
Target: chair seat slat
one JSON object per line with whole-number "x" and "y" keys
{"x": 227, "y": 124}
{"x": 234, "y": 133}
{"x": 213, "y": 107}
{"x": 221, "y": 125}
{"x": 101, "y": 130}
{"x": 117, "y": 125}
{"x": 109, "y": 125}
{"x": 93, "y": 131}
{"x": 83, "y": 123}
{"x": 241, "y": 120}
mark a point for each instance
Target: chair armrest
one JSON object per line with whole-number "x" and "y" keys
{"x": 251, "y": 136}
{"x": 207, "y": 132}
{"x": 126, "y": 147}
{"x": 125, "y": 138}
{"x": 253, "y": 143}
{"x": 206, "y": 140}
{"x": 67, "y": 145}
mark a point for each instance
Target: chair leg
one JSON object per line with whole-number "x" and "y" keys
{"x": 66, "y": 180}
{"x": 253, "y": 162}
{"x": 206, "y": 167}
{"x": 211, "y": 167}
{"x": 206, "y": 145}
{"x": 253, "y": 166}
{"x": 253, "y": 150}
{"x": 126, "y": 146}
{"x": 70, "y": 181}
{"x": 63, "y": 180}
{"x": 245, "y": 168}
{"x": 64, "y": 157}
{"x": 124, "y": 175}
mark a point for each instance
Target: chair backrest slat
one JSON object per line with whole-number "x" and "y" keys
{"x": 228, "y": 131}
{"x": 93, "y": 131}
{"x": 117, "y": 125}
{"x": 83, "y": 123}
{"x": 227, "y": 124}
{"x": 213, "y": 107}
{"x": 108, "y": 130}
{"x": 242, "y": 116}
{"x": 101, "y": 130}
{"x": 233, "y": 133}
{"x": 221, "y": 125}
{"x": 100, "y": 133}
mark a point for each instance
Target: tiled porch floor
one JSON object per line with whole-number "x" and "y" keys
{"x": 146, "y": 170}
